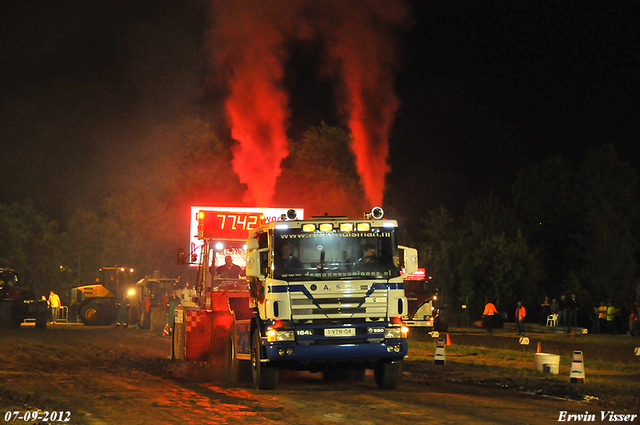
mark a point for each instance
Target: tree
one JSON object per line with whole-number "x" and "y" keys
{"x": 33, "y": 245}
{"x": 547, "y": 204}
{"x": 607, "y": 242}
{"x": 509, "y": 268}
{"x": 193, "y": 166}
{"x": 438, "y": 252}
{"x": 494, "y": 257}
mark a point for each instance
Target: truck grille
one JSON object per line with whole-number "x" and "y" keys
{"x": 307, "y": 304}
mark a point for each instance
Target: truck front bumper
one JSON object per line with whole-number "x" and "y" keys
{"x": 390, "y": 349}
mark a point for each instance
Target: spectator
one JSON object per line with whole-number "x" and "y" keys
{"x": 545, "y": 311}
{"x": 595, "y": 322}
{"x": 489, "y": 312}
{"x": 611, "y": 316}
{"x": 554, "y": 307}
{"x": 602, "y": 317}
{"x": 562, "y": 311}
{"x": 633, "y": 323}
{"x": 54, "y": 303}
{"x": 521, "y": 312}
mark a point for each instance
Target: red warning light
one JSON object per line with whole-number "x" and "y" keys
{"x": 417, "y": 275}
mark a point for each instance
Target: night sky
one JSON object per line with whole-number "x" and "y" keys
{"x": 485, "y": 87}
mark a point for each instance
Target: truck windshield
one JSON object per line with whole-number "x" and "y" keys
{"x": 335, "y": 255}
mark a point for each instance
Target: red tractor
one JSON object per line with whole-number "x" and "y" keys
{"x": 18, "y": 303}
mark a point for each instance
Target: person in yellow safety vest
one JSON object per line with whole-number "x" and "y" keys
{"x": 521, "y": 312}
{"x": 602, "y": 317}
{"x": 54, "y": 303}
{"x": 611, "y": 315}
{"x": 488, "y": 313}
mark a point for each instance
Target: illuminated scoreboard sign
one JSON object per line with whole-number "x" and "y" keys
{"x": 221, "y": 224}
{"x": 227, "y": 225}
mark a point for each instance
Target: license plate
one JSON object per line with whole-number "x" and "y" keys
{"x": 340, "y": 332}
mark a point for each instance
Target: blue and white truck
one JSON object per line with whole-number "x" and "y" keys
{"x": 327, "y": 295}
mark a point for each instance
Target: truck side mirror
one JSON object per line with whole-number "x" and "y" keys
{"x": 410, "y": 257}
{"x": 253, "y": 259}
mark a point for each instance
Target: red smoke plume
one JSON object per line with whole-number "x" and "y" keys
{"x": 360, "y": 41}
{"x": 249, "y": 52}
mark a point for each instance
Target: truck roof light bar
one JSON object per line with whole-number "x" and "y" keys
{"x": 363, "y": 227}
{"x": 309, "y": 227}
{"x": 326, "y": 227}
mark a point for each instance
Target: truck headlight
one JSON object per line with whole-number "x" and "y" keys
{"x": 391, "y": 333}
{"x": 274, "y": 335}
{"x": 396, "y": 332}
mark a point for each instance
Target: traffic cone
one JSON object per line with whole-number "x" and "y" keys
{"x": 448, "y": 340}
{"x": 440, "y": 357}
{"x": 577, "y": 369}
{"x": 539, "y": 348}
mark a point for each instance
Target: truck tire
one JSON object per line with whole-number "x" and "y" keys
{"x": 265, "y": 377}
{"x": 388, "y": 374}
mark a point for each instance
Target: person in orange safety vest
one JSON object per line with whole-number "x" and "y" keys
{"x": 521, "y": 312}
{"x": 488, "y": 313}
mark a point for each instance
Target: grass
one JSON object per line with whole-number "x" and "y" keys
{"x": 613, "y": 383}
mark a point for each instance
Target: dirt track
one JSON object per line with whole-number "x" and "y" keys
{"x": 123, "y": 376}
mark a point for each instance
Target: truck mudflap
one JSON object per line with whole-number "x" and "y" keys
{"x": 389, "y": 350}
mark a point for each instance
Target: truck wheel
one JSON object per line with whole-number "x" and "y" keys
{"x": 91, "y": 314}
{"x": 265, "y": 377}
{"x": 388, "y": 374}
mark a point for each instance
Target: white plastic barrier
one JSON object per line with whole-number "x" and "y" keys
{"x": 547, "y": 363}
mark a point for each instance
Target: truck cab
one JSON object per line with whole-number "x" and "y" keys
{"x": 328, "y": 296}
